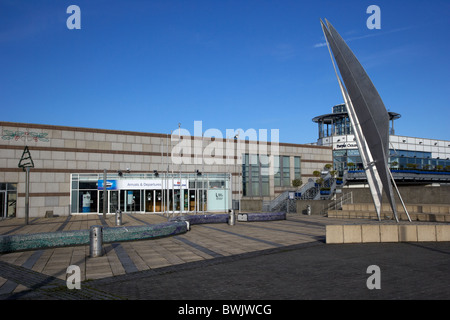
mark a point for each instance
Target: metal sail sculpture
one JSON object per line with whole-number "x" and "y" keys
{"x": 369, "y": 119}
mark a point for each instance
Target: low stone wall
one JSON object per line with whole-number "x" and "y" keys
{"x": 18, "y": 242}
{"x": 425, "y": 217}
{"x": 266, "y": 216}
{"x": 317, "y": 206}
{"x": 177, "y": 225}
{"x": 410, "y": 194}
{"x": 366, "y": 233}
{"x": 203, "y": 218}
{"x": 250, "y": 205}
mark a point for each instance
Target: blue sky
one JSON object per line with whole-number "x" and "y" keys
{"x": 149, "y": 65}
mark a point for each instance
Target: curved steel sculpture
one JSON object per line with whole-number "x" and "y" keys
{"x": 368, "y": 117}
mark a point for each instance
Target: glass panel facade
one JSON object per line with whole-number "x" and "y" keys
{"x": 256, "y": 178}
{"x": 398, "y": 159}
{"x": 286, "y": 171}
{"x": 282, "y": 178}
{"x": 255, "y": 171}
{"x": 151, "y": 193}
{"x": 297, "y": 171}
{"x": 8, "y": 199}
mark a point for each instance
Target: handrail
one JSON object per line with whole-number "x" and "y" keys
{"x": 337, "y": 203}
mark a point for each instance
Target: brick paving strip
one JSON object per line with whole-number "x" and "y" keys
{"x": 10, "y": 285}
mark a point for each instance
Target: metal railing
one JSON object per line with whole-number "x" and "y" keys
{"x": 337, "y": 203}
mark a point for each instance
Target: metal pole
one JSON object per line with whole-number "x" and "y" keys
{"x": 399, "y": 195}
{"x": 231, "y": 219}
{"x": 118, "y": 218}
{"x": 166, "y": 179}
{"x": 179, "y": 140}
{"x": 27, "y": 195}
{"x": 171, "y": 152}
{"x": 96, "y": 241}
{"x": 105, "y": 199}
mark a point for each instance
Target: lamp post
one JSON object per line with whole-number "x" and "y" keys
{"x": 105, "y": 199}
{"x": 26, "y": 162}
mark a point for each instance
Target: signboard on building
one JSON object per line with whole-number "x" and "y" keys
{"x": 143, "y": 184}
{"x": 218, "y": 200}
{"x": 345, "y": 145}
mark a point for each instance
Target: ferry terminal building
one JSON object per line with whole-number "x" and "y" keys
{"x": 70, "y": 164}
{"x": 411, "y": 159}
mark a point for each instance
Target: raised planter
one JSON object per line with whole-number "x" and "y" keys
{"x": 176, "y": 225}
{"x": 264, "y": 216}
{"x": 17, "y": 242}
{"x": 203, "y": 218}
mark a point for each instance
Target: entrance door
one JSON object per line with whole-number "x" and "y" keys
{"x": 100, "y": 200}
{"x": 113, "y": 201}
{"x": 186, "y": 200}
{"x": 159, "y": 194}
{"x": 130, "y": 200}
{"x": 176, "y": 200}
{"x": 11, "y": 198}
{"x": 3, "y": 204}
{"x": 201, "y": 200}
{"x": 192, "y": 202}
{"x": 150, "y": 201}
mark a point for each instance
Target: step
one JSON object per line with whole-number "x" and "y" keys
{"x": 367, "y": 233}
{"x": 387, "y": 215}
{"x": 412, "y": 208}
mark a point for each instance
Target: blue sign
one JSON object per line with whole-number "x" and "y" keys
{"x": 110, "y": 185}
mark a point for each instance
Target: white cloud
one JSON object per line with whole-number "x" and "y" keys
{"x": 370, "y": 35}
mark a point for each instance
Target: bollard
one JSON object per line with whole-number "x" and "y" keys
{"x": 118, "y": 218}
{"x": 308, "y": 210}
{"x": 96, "y": 241}
{"x": 231, "y": 219}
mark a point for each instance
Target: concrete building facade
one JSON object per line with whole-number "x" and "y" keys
{"x": 68, "y": 159}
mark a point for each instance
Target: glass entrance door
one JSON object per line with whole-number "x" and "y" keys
{"x": 150, "y": 201}
{"x": 186, "y": 200}
{"x": 201, "y": 199}
{"x": 159, "y": 201}
{"x": 113, "y": 201}
{"x": 192, "y": 202}
{"x": 176, "y": 200}
{"x": 3, "y": 204}
{"x": 101, "y": 194}
{"x": 130, "y": 200}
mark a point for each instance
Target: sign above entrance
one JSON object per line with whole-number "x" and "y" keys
{"x": 345, "y": 145}
{"x": 142, "y": 184}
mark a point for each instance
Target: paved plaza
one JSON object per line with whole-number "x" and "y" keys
{"x": 274, "y": 260}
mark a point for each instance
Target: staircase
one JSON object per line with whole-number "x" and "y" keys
{"x": 308, "y": 191}
{"x": 282, "y": 203}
